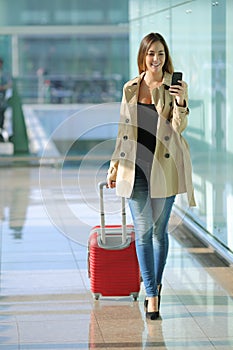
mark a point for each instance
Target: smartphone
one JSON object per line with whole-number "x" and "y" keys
{"x": 175, "y": 77}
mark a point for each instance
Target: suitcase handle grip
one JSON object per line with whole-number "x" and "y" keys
{"x": 102, "y": 215}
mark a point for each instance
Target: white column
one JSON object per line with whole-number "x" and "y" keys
{"x": 15, "y": 56}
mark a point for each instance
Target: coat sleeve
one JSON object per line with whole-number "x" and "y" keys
{"x": 179, "y": 118}
{"x": 113, "y": 167}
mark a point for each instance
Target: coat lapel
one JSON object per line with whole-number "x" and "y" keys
{"x": 131, "y": 93}
{"x": 132, "y": 90}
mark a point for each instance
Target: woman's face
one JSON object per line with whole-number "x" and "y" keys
{"x": 155, "y": 57}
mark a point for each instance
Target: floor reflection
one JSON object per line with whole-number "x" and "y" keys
{"x": 15, "y": 199}
{"x": 122, "y": 325}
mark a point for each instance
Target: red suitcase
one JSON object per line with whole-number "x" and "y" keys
{"x": 112, "y": 261}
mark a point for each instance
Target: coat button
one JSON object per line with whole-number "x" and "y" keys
{"x": 122, "y": 154}
{"x": 166, "y": 138}
{"x": 166, "y": 155}
{"x": 125, "y": 137}
{"x": 127, "y": 120}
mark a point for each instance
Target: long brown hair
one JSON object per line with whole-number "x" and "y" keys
{"x": 146, "y": 42}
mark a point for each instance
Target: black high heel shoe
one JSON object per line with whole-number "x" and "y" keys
{"x": 159, "y": 297}
{"x": 152, "y": 315}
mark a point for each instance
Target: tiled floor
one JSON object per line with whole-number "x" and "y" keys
{"x": 46, "y": 215}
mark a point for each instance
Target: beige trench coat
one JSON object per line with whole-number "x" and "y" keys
{"x": 171, "y": 171}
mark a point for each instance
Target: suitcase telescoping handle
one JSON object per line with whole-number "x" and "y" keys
{"x": 102, "y": 215}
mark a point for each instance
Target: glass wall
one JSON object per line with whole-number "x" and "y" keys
{"x": 66, "y": 51}
{"x": 60, "y": 12}
{"x": 74, "y": 68}
{"x": 199, "y": 36}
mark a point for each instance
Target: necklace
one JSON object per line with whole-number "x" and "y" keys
{"x": 152, "y": 84}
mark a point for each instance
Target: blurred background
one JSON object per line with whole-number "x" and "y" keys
{"x": 56, "y": 49}
{"x": 67, "y": 61}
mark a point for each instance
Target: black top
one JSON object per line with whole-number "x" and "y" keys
{"x": 147, "y": 126}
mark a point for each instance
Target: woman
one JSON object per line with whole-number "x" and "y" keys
{"x": 151, "y": 162}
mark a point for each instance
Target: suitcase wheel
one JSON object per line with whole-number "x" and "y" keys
{"x": 135, "y": 296}
{"x": 96, "y": 296}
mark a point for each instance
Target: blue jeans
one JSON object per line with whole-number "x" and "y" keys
{"x": 150, "y": 218}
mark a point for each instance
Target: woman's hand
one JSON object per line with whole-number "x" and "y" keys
{"x": 179, "y": 91}
{"x": 110, "y": 183}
